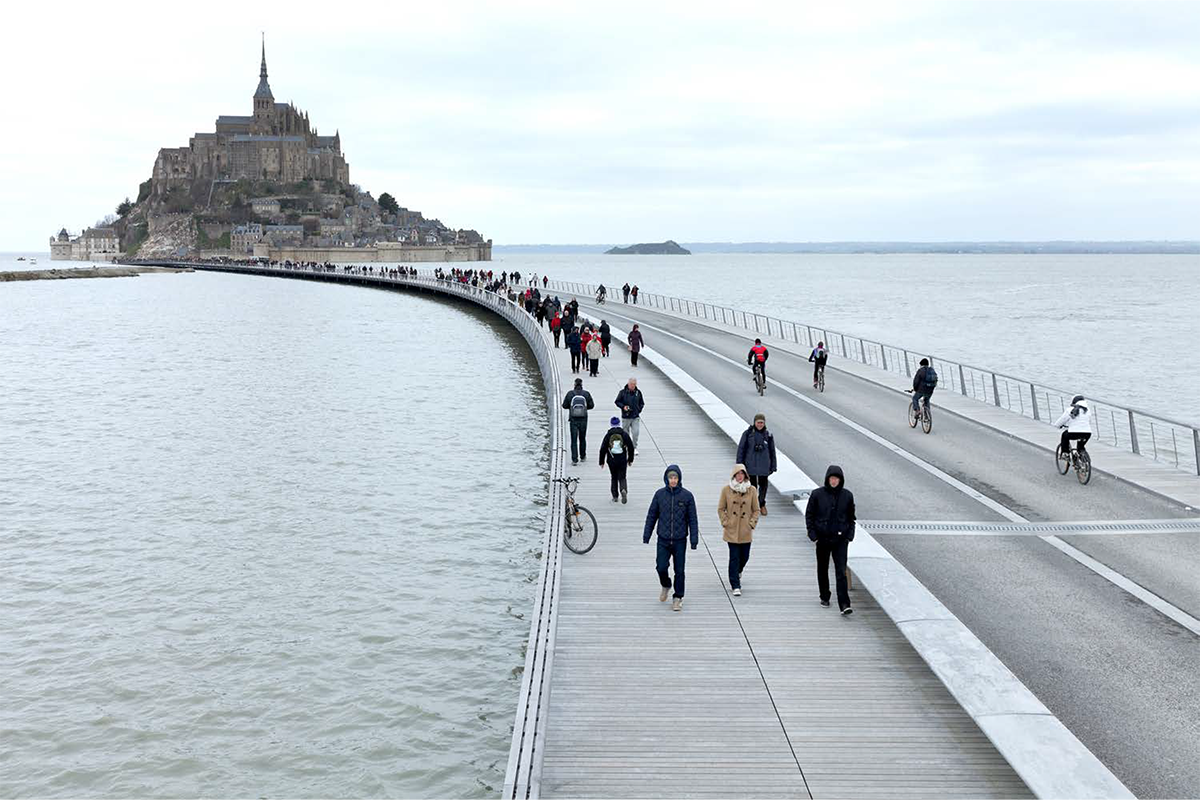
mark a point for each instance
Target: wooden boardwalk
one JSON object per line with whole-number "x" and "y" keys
{"x": 766, "y": 695}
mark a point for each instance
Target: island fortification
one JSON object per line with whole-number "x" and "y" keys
{"x": 266, "y": 184}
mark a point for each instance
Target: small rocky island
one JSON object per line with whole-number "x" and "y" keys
{"x": 667, "y": 248}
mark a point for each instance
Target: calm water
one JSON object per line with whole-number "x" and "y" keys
{"x": 261, "y": 538}
{"x": 1123, "y": 328}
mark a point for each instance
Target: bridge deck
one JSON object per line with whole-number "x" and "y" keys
{"x": 768, "y": 694}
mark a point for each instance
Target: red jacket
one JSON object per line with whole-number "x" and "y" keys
{"x": 555, "y": 323}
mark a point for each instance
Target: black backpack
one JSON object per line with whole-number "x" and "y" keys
{"x": 929, "y": 383}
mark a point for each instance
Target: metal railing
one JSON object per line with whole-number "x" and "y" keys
{"x": 523, "y": 774}
{"x": 1141, "y": 432}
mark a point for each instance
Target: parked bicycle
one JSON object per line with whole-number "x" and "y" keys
{"x": 924, "y": 415}
{"x": 760, "y": 379}
{"x": 580, "y": 530}
{"x": 1076, "y": 457}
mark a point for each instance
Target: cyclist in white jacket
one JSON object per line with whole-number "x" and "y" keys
{"x": 1077, "y": 421}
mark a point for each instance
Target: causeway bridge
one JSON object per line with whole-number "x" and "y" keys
{"x": 1015, "y": 633}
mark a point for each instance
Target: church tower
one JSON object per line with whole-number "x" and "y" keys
{"x": 264, "y": 101}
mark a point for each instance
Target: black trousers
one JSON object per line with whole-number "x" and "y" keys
{"x": 617, "y": 470}
{"x": 633, "y": 354}
{"x": 578, "y": 438}
{"x": 817, "y": 370}
{"x": 760, "y": 482}
{"x": 838, "y": 550}
{"x": 668, "y": 550}
{"x": 739, "y": 554}
{"x": 557, "y": 333}
{"x": 574, "y": 361}
{"x": 595, "y": 366}
{"x": 1069, "y": 437}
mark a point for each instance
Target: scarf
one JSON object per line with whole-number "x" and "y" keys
{"x": 740, "y": 487}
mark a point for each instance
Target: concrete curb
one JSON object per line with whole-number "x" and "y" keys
{"x": 1040, "y": 749}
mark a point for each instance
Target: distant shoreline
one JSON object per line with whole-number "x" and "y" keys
{"x": 1065, "y": 247}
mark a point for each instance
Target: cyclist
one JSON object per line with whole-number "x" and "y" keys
{"x": 757, "y": 357}
{"x": 818, "y": 356}
{"x": 601, "y": 293}
{"x": 1077, "y": 423}
{"x": 924, "y": 382}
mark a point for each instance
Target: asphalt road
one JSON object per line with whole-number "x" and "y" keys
{"x": 1124, "y": 678}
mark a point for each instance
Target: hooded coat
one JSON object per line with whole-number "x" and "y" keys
{"x": 594, "y": 348}
{"x": 1076, "y": 419}
{"x": 756, "y": 450}
{"x": 738, "y": 511}
{"x": 830, "y": 513}
{"x": 606, "y": 454}
{"x": 573, "y": 342}
{"x": 673, "y": 511}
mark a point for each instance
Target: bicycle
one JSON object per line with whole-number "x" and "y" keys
{"x": 580, "y": 530}
{"x": 760, "y": 379}
{"x": 924, "y": 415}
{"x": 601, "y": 299}
{"x": 1077, "y": 458}
{"x": 821, "y": 378}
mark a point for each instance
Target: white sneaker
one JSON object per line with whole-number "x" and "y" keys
{"x": 677, "y": 605}
{"x": 662, "y": 596}
{"x": 737, "y": 592}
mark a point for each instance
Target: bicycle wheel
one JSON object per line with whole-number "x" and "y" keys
{"x": 1062, "y": 460}
{"x": 760, "y": 382}
{"x": 580, "y": 530}
{"x": 926, "y": 418}
{"x": 912, "y": 417}
{"x": 821, "y": 381}
{"x": 1083, "y": 467}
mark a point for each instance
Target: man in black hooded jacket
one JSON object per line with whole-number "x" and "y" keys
{"x": 830, "y": 521}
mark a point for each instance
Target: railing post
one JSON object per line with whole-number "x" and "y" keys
{"x": 995, "y": 391}
{"x": 962, "y": 382}
{"x": 1196, "y": 448}
{"x": 1033, "y": 395}
{"x": 907, "y": 365}
{"x": 843, "y": 340}
{"x": 883, "y": 356}
{"x": 1133, "y": 440}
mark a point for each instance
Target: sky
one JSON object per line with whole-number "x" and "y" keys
{"x": 623, "y": 122}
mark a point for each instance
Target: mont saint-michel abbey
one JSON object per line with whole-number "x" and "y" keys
{"x": 275, "y": 143}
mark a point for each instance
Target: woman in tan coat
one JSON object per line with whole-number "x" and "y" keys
{"x": 738, "y": 511}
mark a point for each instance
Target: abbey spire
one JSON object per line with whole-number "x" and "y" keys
{"x": 264, "y": 88}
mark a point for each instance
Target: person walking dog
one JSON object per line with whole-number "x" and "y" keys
{"x": 673, "y": 512}
{"x": 616, "y": 449}
{"x": 756, "y": 450}
{"x": 738, "y": 511}
{"x": 830, "y": 522}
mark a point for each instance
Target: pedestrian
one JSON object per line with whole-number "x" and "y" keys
{"x": 756, "y": 449}
{"x": 605, "y": 337}
{"x": 625, "y": 291}
{"x": 545, "y": 281}
{"x": 574, "y": 345}
{"x": 593, "y": 354}
{"x": 738, "y": 511}
{"x": 635, "y": 344}
{"x": 556, "y": 327}
{"x": 578, "y": 403}
{"x": 585, "y": 338}
{"x": 631, "y": 403}
{"x": 616, "y": 450}
{"x": 541, "y": 314}
{"x": 830, "y": 522}
{"x": 673, "y": 510}
{"x": 634, "y": 292}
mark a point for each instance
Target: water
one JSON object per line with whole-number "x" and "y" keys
{"x": 1119, "y": 327}
{"x": 261, "y": 538}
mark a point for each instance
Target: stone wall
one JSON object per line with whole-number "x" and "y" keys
{"x": 403, "y": 254}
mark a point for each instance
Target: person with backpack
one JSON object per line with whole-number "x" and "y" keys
{"x": 756, "y": 450}
{"x": 594, "y": 350}
{"x": 631, "y": 403}
{"x": 830, "y": 521}
{"x": 924, "y": 382}
{"x": 818, "y": 357}
{"x": 616, "y": 450}
{"x": 556, "y": 327}
{"x": 756, "y": 359}
{"x": 673, "y": 511}
{"x": 574, "y": 344}
{"x": 738, "y": 511}
{"x": 578, "y": 403}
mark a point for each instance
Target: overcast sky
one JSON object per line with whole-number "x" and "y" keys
{"x": 630, "y": 122}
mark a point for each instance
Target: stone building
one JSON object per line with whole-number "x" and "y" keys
{"x": 94, "y": 244}
{"x": 276, "y": 142}
{"x": 244, "y": 237}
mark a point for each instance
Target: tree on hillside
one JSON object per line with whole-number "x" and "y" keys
{"x": 388, "y": 203}
{"x": 124, "y": 207}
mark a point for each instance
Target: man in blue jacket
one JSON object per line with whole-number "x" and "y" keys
{"x": 673, "y": 509}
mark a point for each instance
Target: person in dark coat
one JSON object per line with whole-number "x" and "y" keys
{"x": 605, "y": 337}
{"x": 574, "y": 344}
{"x": 625, "y": 291}
{"x": 923, "y": 384}
{"x": 616, "y": 450}
{"x": 631, "y": 402}
{"x": 578, "y": 403}
{"x": 673, "y": 511}
{"x": 830, "y": 522}
{"x": 756, "y": 450}
{"x": 636, "y": 342}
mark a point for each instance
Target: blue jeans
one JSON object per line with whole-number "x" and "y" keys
{"x": 917, "y": 398}
{"x": 672, "y": 549}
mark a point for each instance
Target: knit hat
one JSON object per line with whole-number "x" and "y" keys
{"x": 615, "y": 421}
{"x": 579, "y": 381}
{"x": 757, "y": 417}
